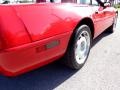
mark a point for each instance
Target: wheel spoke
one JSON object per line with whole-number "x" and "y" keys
{"x": 82, "y": 47}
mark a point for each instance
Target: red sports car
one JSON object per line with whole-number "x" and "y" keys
{"x": 35, "y": 34}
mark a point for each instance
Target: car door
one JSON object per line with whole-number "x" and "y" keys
{"x": 109, "y": 13}
{"x": 99, "y": 16}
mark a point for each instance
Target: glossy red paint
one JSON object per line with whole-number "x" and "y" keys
{"x": 27, "y": 29}
{"x": 12, "y": 30}
{"x": 23, "y": 58}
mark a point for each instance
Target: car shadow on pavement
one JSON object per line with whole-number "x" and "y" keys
{"x": 45, "y": 78}
{"x": 100, "y": 37}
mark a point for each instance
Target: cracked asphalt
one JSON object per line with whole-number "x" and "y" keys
{"x": 101, "y": 71}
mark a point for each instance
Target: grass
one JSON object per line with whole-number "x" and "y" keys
{"x": 118, "y": 9}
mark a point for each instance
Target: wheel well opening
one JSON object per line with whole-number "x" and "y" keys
{"x": 88, "y": 22}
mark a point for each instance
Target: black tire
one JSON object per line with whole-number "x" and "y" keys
{"x": 70, "y": 59}
{"x": 111, "y": 29}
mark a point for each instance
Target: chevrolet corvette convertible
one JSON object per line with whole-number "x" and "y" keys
{"x": 35, "y": 34}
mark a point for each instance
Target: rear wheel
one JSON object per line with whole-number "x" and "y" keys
{"x": 79, "y": 48}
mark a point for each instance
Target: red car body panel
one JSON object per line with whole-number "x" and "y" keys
{"x": 18, "y": 60}
{"x": 12, "y": 30}
{"x": 51, "y": 16}
{"x": 33, "y": 35}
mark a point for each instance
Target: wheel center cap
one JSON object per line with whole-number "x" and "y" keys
{"x": 82, "y": 45}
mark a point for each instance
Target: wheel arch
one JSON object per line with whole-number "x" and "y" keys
{"x": 84, "y": 21}
{"x": 89, "y": 22}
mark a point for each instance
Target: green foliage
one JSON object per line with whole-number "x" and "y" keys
{"x": 117, "y": 5}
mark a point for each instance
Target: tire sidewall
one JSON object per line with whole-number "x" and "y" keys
{"x": 76, "y": 35}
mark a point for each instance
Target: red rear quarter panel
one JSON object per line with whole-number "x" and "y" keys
{"x": 27, "y": 29}
{"x": 12, "y": 30}
{"x": 46, "y": 20}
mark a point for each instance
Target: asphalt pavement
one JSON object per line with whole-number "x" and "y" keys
{"x": 101, "y": 71}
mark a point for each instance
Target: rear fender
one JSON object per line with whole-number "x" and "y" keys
{"x": 12, "y": 30}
